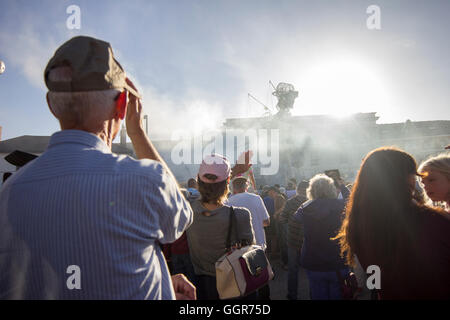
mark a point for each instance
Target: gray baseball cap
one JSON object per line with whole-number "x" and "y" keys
{"x": 93, "y": 67}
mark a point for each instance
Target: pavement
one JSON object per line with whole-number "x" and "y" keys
{"x": 278, "y": 286}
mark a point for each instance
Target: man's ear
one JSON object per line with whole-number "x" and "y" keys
{"x": 121, "y": 105}
{"x": 49, "y": 106}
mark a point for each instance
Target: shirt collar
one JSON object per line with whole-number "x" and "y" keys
{"x": 78, "y": 137}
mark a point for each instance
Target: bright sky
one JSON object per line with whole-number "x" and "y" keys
{"x": 196, "y": 61}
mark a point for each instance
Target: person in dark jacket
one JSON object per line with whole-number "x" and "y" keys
{"x": 280, "y": 229}
{"x": 322, "y": 217}
{"x": 269, "y": 230}
{"x": 294, "y": 237}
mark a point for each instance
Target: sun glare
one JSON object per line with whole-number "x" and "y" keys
{"x": 341, "y": 87}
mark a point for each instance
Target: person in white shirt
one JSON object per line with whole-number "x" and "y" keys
{"x": 260, "y": 217}
{"x": 254, "y": 203}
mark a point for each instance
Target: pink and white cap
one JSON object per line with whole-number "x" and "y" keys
{"x": 217, "y": 165}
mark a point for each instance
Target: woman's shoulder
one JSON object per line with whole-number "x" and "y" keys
{"x": 434, "y": 213}
{"x": 434, "y": 220}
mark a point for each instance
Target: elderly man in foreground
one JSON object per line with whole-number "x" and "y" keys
{"x": 80, "y": 222}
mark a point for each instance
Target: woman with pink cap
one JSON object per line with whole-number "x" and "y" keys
{"x": 207, "y": 234}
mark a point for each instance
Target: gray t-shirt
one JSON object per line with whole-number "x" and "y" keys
{"x": 207, "y": 235}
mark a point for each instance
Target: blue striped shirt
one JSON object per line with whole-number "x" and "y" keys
{"x": 80, "y": 205}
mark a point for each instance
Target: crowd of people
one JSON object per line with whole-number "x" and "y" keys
{"x": 134, "y": 233}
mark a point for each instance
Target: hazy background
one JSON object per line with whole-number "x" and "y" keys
{"x": 196, "y": 61}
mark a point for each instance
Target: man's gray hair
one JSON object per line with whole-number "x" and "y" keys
{"x": 80, "y": 107}
{"x": 321, "y": 187}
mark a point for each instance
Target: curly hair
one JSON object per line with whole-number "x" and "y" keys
{"x": 321, "y": 187}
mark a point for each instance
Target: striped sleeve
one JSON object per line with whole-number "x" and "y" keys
{"x": 172, "y": 209}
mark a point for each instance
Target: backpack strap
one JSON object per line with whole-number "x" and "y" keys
{"x": 233, "y": 220}
{"x": 230, "y": 226}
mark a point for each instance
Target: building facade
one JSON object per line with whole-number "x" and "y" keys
{"x": 305, "y": 145}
